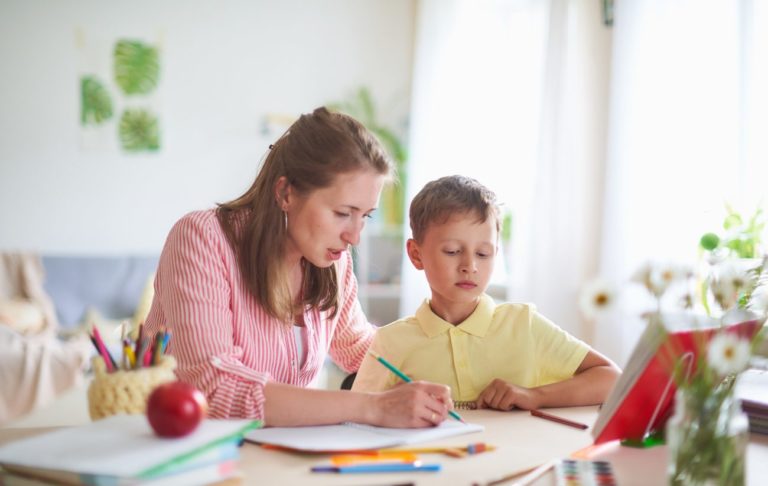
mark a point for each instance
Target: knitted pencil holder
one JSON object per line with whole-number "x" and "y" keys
{"x": 125, "y": 391}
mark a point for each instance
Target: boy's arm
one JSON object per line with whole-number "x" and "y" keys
{"x": 591, "y": 383}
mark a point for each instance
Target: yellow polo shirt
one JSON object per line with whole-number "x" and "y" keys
{"x": 512, "y": 342}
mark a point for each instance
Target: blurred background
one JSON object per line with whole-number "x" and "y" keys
{"x": 613, "y": 133}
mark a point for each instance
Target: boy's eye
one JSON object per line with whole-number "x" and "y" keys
{"x": 483, "y": 255}
{"x": 451, "y": 252}
{"x": 368, "y": 216}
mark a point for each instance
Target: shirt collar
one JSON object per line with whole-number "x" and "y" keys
{"x": 476, "y": 324}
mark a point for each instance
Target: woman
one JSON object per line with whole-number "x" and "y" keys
{"x": 257, "y": 291}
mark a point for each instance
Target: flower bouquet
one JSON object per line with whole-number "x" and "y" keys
{"x": 708, "y": 432}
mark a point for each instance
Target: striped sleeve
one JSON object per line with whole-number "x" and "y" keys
{"x": 353, "y": 333}
{"x": 193, "y": 298}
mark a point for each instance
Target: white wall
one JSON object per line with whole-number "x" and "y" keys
{"x": 225, "y": 64}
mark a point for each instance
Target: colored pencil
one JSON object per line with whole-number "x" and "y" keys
{"x": 166, "y": 338}
{"x": 139, "y": 337}
{"x": 531, "y": 474}
{"x": 109, "y": 361}
{"x": 559, "y": 420}
{"x": 430, "y": 450}
{"x": 406, "y": 379}
{"x": 129, "y": 354}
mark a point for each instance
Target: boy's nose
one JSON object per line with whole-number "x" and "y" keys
{"x": 468, "y": 266}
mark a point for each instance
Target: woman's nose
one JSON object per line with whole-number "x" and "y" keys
{"x": 352, "y": 235}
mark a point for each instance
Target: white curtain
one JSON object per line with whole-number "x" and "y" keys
{"x": 688, "y": 105}
{"x": 513, "y": 93}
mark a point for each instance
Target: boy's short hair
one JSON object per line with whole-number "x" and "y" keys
{"x": 443, "y": 198}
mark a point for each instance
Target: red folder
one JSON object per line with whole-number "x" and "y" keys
{"x": 641, "y": 401}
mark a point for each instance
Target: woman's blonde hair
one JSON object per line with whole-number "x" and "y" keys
{"x": 314, "y": 150}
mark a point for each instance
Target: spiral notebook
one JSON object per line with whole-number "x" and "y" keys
{"x": 352, "y": 436}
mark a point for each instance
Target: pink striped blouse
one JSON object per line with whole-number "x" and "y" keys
{"x": 223, "y": 341}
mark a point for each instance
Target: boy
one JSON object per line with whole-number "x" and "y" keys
{"x": 492, "y": 356}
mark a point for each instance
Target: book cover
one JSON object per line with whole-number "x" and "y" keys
{"x": 641, "y": 401}
{"x": 122, "y": 449}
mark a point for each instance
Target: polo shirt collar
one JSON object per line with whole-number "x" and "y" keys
{"x": 476, "y": 324}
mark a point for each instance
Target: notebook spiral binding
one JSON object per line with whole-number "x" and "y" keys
{"x": 467, "y": 405}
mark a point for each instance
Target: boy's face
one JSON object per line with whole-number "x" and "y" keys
{"x": 457, "y": 257}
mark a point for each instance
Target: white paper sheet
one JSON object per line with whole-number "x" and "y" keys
{"x": 352, "y": 436}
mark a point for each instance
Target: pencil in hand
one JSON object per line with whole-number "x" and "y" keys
{"x": 407, "y": 379}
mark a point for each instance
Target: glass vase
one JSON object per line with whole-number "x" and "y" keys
{"x": 707, "y": 440}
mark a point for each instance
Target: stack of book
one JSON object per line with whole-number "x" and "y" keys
{"x": 752, "y": 389}
{"x": 123, "y": 449}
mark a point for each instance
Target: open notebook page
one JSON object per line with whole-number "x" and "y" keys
{"x": 352, "y": 436}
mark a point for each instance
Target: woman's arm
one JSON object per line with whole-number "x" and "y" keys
{"x": 193, "y": 295}
{"x": 417, "y": 404}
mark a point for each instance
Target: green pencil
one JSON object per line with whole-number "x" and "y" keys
{"x": 406, "y": 379}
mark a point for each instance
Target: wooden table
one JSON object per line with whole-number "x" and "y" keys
{"x": 521, "y": 441}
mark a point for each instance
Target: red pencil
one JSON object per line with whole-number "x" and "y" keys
{"x": 559, "y": 420}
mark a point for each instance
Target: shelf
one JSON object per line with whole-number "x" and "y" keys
{"x": 380, "y": 291}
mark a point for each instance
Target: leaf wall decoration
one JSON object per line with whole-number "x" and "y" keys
{"x": 95, "y": 102}
{"x": 137, "y": 66}
{"x": 139, "y": 131}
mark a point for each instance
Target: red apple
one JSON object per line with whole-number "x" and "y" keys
{"x": 175, "y": 409}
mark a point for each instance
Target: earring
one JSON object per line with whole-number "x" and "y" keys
{"x": 285, "y": 220}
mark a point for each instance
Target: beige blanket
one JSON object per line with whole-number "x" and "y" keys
{"x": 35, "y": 367}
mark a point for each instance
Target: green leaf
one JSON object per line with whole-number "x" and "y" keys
{"x": 506, "y": 227}
{"x": 95, "y": 102}
{"x": 137, "y": 66}
{"x": 139, "y": 131}
{"x": 709, "y": 241}
{"x": 367, "y": 109}
{"x": 362, "y": 107}
{"x": 392, "y": 144}
{"x": 732, "y": 220}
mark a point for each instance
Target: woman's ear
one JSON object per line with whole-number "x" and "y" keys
{"x": 414, "y": 253}
{"x": 282, "y": 192}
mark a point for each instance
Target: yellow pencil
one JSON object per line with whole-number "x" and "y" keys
{"x": 128, "y": 352}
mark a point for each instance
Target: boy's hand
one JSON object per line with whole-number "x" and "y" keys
{"x": 501, "y": 395}
{"x": 416, "y": 404}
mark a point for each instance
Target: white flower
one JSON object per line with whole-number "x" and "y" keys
{"x": 657, "y": 278}
{"x": 728, "y": 353}
{"x": 730, "y": 279}
{"x": 597, "y": 297}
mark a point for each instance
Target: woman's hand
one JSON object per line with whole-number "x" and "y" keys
{"x": 501, "y": 395}
{"x": 416, "y": 404}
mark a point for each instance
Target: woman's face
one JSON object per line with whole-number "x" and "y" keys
{"x": 323, "y": 224}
